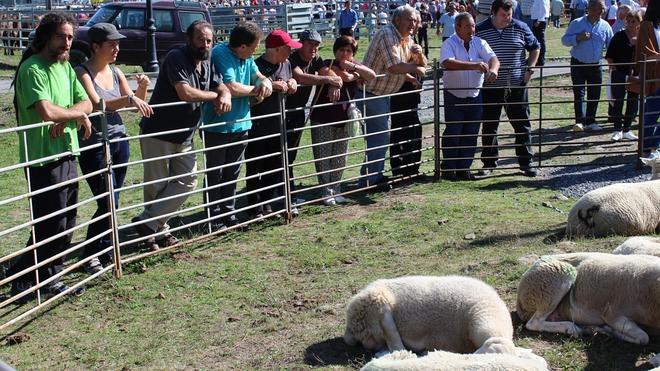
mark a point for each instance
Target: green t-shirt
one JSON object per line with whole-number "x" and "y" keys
{"x": 56, "y": 82}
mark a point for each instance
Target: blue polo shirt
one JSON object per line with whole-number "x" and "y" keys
{"x": 591, "y": 50}
{"x": 231, "y": 69}
{"x": 347, "y": 18}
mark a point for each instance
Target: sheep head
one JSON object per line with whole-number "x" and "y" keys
{"x": 654, "y": 163}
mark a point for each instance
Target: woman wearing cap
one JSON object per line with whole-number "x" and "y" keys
{"x": 102, "y": 81}
{"x": 330, "y": 139}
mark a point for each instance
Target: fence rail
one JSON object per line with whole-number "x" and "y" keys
{"x": 330, "y": 167}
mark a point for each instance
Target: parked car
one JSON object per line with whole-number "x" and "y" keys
{"x": 172, "y": 18}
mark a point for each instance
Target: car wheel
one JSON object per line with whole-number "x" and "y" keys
{"x": 77, "y": 56}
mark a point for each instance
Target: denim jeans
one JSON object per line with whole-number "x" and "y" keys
{"x": 651, "y": 126}
{"x": 93, "y": 160}
{"x": 372, "y": 172}
{"x": 581, "y": 75}
{"x": 619, "y": 95}
{"x": 459, "y": 140}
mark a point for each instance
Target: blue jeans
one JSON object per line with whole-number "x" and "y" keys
{"x": 459, "y": 140}
{"x": 581, "y": 75}
{"x": 651, "y": 126}
{"x": 372, "y": 172}
{"x": 93, "y": 160}
{"x": 619, "y": 94}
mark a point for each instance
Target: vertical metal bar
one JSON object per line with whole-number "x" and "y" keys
{"x": 436, "y": 120}
{"x": 642, "y": 110}
{"x": 114, "y": 225}
{"x": 33, "y": 228}
{"x": 540, "y": 131}
{"x": 206, "y": 195}
{"x": 285, "y": 157}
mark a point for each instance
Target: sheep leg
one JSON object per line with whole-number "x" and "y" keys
{"x": 538, "y": 321}
{"x": 627, "y": 330}
{"x": 392, "y": 337}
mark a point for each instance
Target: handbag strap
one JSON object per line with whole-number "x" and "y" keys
{"x": 316, "y": 99}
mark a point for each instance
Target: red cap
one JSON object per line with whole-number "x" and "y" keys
{"x": 281, "y": 38}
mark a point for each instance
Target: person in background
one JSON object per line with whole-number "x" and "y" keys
{"x": 234, "y": 63}
{"x": 539, "y": 21}
{"x": 103, "y": 81}
{"x": 578, "y": 8}
{"x": 347, "y": 20}
{"x": 556, "y": 11}
{"x": 483, "y": 10}
{"x": 587, "y": 36}
{"x": 515, "y": 47}
{"x": 468, "y": 61}
{"x": 274, "y": 65}
{"x": 621, "y": 15}
{"x": 331, "y": 140}
{"x": 612, "y": 11}
{"x": 422, "y": 33}
{"x": 46, "y": 89}
{"x": 447, "y": 22}
{"x": 185, "y": 75}
{"x": 622, "y": 50}
{"x": 648, "y": 42}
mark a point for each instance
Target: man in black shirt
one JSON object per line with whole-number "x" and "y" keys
{"x": 185, "y": 75}
{"x": 306, "y": 66}
{"x": 274, "y": 65}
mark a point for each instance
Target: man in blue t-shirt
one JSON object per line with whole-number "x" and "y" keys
{"x": 347, "y": 20}
{"x": 233, "y": 61}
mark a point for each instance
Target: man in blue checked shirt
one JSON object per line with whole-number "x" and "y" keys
{"x": 347, "y": 20}
{"x": 587, "y": 36}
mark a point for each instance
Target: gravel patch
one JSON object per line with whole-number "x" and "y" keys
{"x": 574, "y": 182}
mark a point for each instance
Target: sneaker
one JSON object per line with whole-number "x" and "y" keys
{"x": 593, "y": 127}
{"x": 166, "y": 240}
{"x": 330, "y": 201}
{"x": 93, "y": 266}
{"x": 298, "y": 200}
{"x": 339, "y": 199}
{"x": 17, "y": 287}
{"x": 617, "y": 136}
{"x": 578, "y": 127}
{"x": 628, "y": 135}
{"x": 58, "y": 287}
{"x": 529, "y": 172}
{"x": 484, "y": 172}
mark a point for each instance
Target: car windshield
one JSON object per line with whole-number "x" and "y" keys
{"x": 105, "y": 14}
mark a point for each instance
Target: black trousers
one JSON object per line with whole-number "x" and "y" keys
{"x": 262, "y": 147}
{"x": 620, "y": 94}
{"x": 46, "y": 203}
{"x": 423, "y": 39}
{"x": 405, "y": 140}
{"x": 233, "y": 155}
{"x": 294, "y": 120}
{"x": 519, "y": 116}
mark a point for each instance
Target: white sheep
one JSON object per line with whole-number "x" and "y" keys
{"x": 446, "y": 361}
{"x": 622, "y": 209}
{"x": 654, "y": 163}
{"x": 615, "y": 293}
{"x": 418, "y": 313}
{"x": 639, "y": 245}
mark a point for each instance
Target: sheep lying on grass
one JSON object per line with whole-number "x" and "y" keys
{"x": 639, "y": 245}
{"x": 654, "y": 163}
{"x": 559, "y": 293}
{"x": 445, "y": 361}
{"x": 453, "y": 313}
{"x": 623, "y": 209}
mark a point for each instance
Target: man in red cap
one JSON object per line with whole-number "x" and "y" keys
{"x": 274, "y": 65}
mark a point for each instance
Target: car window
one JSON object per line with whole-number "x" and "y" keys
{"x": 132, "y": 18}
{"x": 104, "y": 14}
{"x": 164, "y": 20}
{"x": 187, "y": 18}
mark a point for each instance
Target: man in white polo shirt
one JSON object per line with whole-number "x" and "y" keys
{"x": 467, "y": 61}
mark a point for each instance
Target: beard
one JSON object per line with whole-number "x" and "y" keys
{"x": 200, "y": 54}
{"x": 58, "y": 54}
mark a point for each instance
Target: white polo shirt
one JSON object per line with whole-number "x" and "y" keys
{"x": 471, "y": 80}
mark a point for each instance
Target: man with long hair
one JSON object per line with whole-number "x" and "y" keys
{"x": 46, "y": 89}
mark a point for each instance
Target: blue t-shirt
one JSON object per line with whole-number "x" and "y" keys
{"x": 231, "y": 69}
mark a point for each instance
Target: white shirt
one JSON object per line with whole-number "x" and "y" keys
{"x": 611, "y": 12}
{"x": 469, "y": 81}
{"x": 540, "y": 10}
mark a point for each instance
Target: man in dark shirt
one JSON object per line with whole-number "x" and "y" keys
{"x": 261, "y": 177}
{"x": 185, "y": 75}
{"x": 307, "y": 67}
{"x": 510, "y": 39}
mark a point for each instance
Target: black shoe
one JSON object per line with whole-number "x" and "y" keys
{"x": 58, "y": 287}
{"x": 448, "y": 175}
{"x": 484, "y": 172}
{"x": 464, "y": 175}
{"x": 529, "y": 172}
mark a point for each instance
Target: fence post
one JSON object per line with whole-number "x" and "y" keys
{"x": 205, "y": 195}
{"x": 285, "y": 157}
{"x": 642, "y": 110}
{"x": 33, "y": 237}
{"x": 111, "y": 193}
{"x": 540, "y": 116}
{"x": 436, "y": 120}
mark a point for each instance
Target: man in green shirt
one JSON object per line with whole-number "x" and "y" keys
{"x": 46, "y": 89}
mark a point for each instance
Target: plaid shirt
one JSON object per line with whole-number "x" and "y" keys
{"x": 386, "y": 49}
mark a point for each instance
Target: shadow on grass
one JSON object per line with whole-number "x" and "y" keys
{"x": 334, "y": 352}
{"x": 556, "y": 235}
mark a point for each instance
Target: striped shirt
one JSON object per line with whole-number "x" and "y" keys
{"x": 509, "y": 44}
{"x": 466, "y": 83}
{"x": 387, "y": 49}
